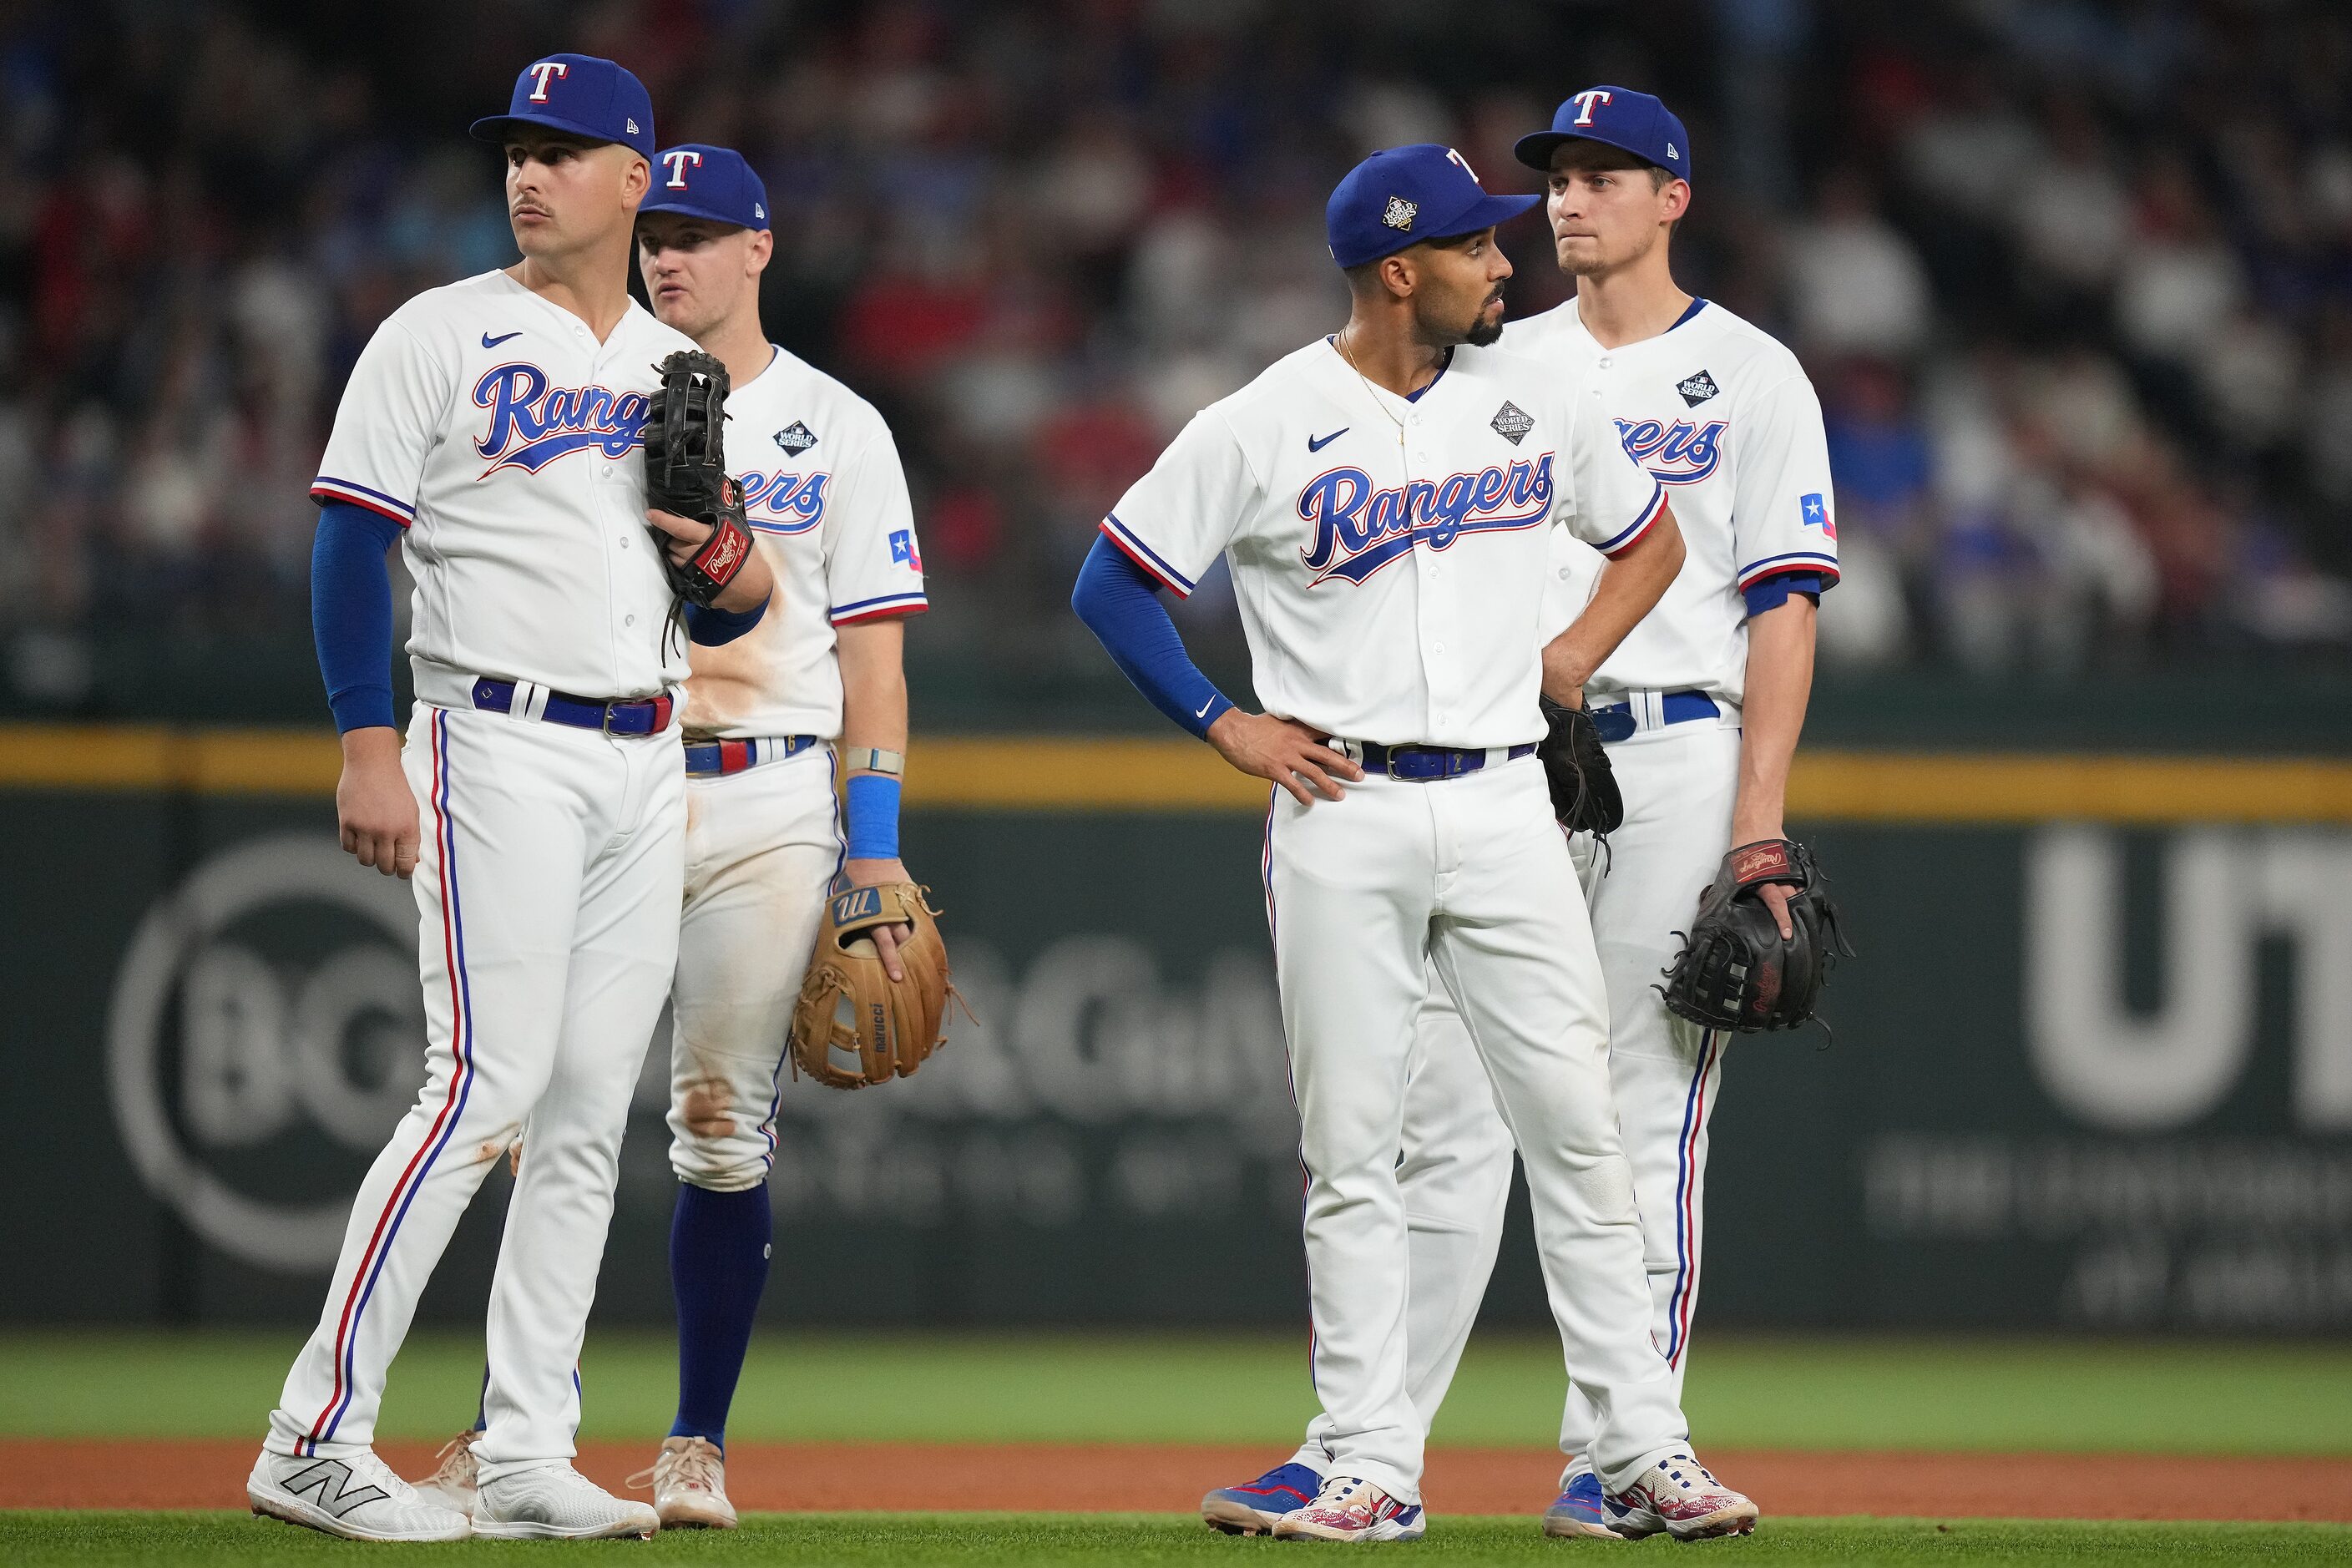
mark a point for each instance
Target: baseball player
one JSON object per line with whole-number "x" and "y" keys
{"x": 1385, "y": 498}
{"x": 492, "y": 427}
{"x": 1701, "y": 705}
{"x": 826, "y": 499}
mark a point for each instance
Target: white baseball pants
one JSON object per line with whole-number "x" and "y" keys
{"x": 761, "y": 847}
{"x": 548, "y": 892}
{"x": 1367, "y": 896}
{"x": 1679, "y": 785}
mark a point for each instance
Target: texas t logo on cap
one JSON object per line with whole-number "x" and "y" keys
{"x": 542, "y": 70}
{"x": 679, "y": 159}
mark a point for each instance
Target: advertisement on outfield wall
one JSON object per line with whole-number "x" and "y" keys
{"x": 2080, "y": 1076}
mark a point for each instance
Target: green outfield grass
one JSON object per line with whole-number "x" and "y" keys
{"x": 2153, "y": 1397}
{"x": 1046, "y": 1540}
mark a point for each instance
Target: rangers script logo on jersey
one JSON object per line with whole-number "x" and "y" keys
{"x": 784, "y": 503}
{"x": 532, "y": 424}
{"x": 1678, "y": 453}
{"x": 1360, "y": 528}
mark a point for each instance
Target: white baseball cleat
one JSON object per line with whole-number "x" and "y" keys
{"x": 454, "y": 1485}
{"x": 1678, "y": 1497}
{"x": 1350, "y": 1508}
{"x": 689, "y": 1482}
{"x": 556, "y": 1502}
{"x": 359, "y": 1498}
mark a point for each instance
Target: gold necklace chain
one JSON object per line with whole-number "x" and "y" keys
{"x": 1339, "y": 342}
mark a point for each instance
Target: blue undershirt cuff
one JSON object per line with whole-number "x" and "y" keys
{"x": 707, "y": 625}
{"x": 1773, "y": 592}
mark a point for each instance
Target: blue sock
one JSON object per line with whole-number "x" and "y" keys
{"x": 717, "y": 1268}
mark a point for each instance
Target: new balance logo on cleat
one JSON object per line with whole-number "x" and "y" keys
{"x": 332, "y": 1480}
{"x": 1697, "y": 389}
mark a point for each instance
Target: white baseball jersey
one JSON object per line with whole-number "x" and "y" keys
{"x": 826, "y": 499}
{"x": 1722, "y": 414}
{"x": 494, "y": 428}
{"x": 1388, "y": 553}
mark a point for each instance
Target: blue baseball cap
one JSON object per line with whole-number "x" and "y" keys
{"x": 697, "y": 180}
{"x": 1632, "y": 121}
{"x": 1407, "y": 194}
{"x": 580, "y": 94}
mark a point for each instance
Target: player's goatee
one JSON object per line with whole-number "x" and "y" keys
{"x": 1485, "y": 333}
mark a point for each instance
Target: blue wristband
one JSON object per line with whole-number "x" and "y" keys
{"x": 872, "y": 807}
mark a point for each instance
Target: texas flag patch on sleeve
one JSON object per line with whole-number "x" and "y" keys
{"x": 903, "y": 552}
{"x": 1816, "y": 513}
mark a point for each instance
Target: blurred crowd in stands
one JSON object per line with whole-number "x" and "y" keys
{"x": 2074, "y": 279}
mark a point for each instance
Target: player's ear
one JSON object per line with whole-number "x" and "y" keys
{"x": 763, "y": 246}
{"x": 1678, "y": 195}
{"x": 1398, "y": 274}
{"x": 636, "y": 179}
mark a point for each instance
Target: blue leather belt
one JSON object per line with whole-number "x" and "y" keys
{"x": 629, "y": 715}
{"x": 1616, "y": 721}
{"x": 710, "y": 758}
{"x": 1420, "y": 764}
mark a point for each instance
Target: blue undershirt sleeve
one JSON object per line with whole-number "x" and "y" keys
{"x": 1119, "y": 603}
{"x": 710, "y": 626}
{"x": 350, "y": 613}
{"x": 1773, "y": 592}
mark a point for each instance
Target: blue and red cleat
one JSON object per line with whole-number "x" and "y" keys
{"x": 1580, "y": 1511}
{"x": 1252, "y": 1507}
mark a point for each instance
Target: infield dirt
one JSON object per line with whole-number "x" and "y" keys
{"x": 1170, "y": 1478}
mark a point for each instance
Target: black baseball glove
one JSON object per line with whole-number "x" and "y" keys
{"x": 685, "y": 474}
{"x": 1583, "y": 790}
{"x": 1736, "y": 971}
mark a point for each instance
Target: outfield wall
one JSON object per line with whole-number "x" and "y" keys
{"x": 2092, "y": 1069}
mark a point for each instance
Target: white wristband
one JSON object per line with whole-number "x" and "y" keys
{"x": 874, "y": 760}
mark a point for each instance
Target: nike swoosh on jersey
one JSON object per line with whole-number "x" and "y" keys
{"x": 1315, "y": 446}
{"x": 1212, "y": 702}
{"x": 491, "y": 342}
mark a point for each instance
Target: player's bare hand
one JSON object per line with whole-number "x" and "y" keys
{"x": 680, "y": 536}
{"x": 1776, "y": 897}
{"x": 1285, "y": 751}
{"x": 875, "y": 873}
{"x": 375, "y": 810}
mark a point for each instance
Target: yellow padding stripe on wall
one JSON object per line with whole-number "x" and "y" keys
{"x": 1174, "y": 774}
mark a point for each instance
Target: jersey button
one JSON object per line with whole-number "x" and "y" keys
{"x": 628, "y": 620}
{"x": 1606, "y": 362}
